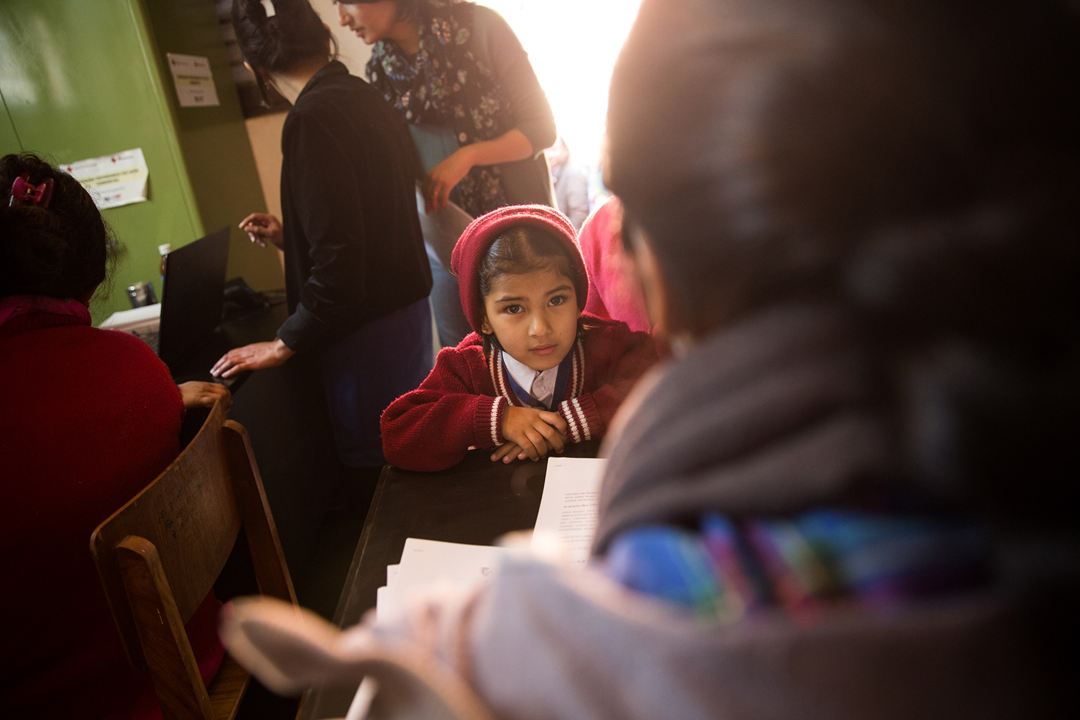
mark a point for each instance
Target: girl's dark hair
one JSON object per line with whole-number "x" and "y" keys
{"x": 294, "y": 35}
{"x": 914, "y": 161}
{"x": 406, "y": 9}
{"x": 520, "y": 250}
{"x": 59, "y": 251}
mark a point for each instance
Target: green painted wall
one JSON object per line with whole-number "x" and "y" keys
{"x": 85, "y": 79}
{"x": 213, "y": 140}
{"x": 8, "y": 137}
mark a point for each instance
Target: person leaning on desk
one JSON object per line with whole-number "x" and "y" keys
{"x": 852, "y": 494}
{"x": 356, "y": 272}
{"x": 88, "y": 417}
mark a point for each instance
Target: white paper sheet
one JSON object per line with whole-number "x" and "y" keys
{"x": 566, "y": 522}
{"x": 426, "y": 564}
{"x": 112, "y": 180}
{"x": 193, "y": 79}
{"x": 567, "y": 519}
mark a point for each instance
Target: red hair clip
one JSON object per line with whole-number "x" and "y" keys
{"x": 25, "y": 193}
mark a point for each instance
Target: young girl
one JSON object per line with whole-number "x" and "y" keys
{"x": 536, "y": 373}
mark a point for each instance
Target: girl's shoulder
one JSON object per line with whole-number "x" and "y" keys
{"x": 469, "y": 351}
{"x": 487, "y": 17}
{"x": 465, "y": 361}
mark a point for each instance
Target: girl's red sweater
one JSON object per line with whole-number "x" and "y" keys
{"x": 462, "y": 402}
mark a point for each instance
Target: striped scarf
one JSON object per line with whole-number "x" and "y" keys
{"x": 759, "y": 471}
{"x": 729, "y": 568}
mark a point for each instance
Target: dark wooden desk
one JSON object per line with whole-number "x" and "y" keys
{"x": 474, "y": 502}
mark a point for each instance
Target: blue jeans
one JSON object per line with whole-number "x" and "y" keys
{"x": 367, "y": 370}
{"x": 446, "y": 302}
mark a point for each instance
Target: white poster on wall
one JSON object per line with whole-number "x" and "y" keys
{"x": 194, "y": 81}
{"x": 113, "y": 180}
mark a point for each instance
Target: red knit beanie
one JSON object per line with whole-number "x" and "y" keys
{"x": 474, "y": 243}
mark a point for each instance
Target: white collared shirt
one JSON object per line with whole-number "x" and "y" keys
{"x": 541, "y": 385}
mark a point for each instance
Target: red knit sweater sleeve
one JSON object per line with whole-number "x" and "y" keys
{"x": 455, "y": 408}
{"x": 615, "y": 358}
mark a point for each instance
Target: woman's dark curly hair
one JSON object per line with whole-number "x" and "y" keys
{"x": 60, "y": 251}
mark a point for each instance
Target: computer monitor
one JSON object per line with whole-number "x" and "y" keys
{"x": 191, "y": 300}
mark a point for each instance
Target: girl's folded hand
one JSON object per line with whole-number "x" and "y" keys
{"x": 534, "y": 431}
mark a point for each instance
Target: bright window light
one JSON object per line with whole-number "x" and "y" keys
{"x": 572, "y": 45}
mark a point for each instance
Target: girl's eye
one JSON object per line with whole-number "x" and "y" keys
{"x": 557, "y": 300}
{"x": 512, "y": 309}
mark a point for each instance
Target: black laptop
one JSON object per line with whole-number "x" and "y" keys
{"x": 191, "y": 300}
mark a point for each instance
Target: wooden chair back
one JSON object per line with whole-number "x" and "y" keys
{"x": 159, "y": 555}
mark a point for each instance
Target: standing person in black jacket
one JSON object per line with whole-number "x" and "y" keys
{"x": 356, "y": 272}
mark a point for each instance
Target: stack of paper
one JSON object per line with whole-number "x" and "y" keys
{"x": 426, "y": 564}
{"x": 564, "y": 530}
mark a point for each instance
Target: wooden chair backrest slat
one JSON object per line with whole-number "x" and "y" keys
{"x": 190, "y": 516}
{"x": 177, "y": 681}
{"x": 263, "y": 542}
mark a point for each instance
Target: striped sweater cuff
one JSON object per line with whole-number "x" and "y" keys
{"x": 488, "y": 421}
{"x": 582, "y": 418}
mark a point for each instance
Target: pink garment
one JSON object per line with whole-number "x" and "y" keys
{"x": 616, "y": 293}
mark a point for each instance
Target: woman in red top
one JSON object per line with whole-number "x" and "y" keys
{"x": 89, "y": 418}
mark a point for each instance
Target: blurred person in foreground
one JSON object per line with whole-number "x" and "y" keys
{"x": 88, "y": 418}
{"x": 852, "y": 492}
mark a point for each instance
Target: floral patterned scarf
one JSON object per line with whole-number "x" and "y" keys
{"x": 445, "y": 84}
